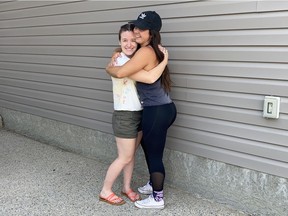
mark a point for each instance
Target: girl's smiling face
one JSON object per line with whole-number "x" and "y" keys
{"x": 128, "y": 43}
{"x": 142, "y": 36}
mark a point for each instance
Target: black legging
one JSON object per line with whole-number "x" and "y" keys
{"x": 155, "y": 122}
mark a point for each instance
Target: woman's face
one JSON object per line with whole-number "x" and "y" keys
{"x": 142, "y": 36}
{"x": 128, "y": 43}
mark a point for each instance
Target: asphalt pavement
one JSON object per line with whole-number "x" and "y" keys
{"x": 37, "y": 179}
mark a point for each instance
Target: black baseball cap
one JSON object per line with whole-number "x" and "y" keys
{"x": 148, "y": 20}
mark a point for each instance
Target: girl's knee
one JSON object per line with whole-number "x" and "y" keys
{"x": 126, "y": 160}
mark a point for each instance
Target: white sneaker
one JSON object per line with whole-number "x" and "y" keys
{"x": 146, "y": 189}
{"x": 149, "y": 203}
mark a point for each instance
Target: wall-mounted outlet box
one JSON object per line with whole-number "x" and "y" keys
{"x": 271, "y": 107}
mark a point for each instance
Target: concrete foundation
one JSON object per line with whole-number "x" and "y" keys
{"x": 247, "y": 190}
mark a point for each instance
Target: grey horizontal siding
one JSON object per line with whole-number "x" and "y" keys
{"x": 66, "y": 70}
{"x": 56, "y": 88}
{"x": 222, "y": 68}
{"x": 52, "y": 114}
{"x": 225, "y": 56}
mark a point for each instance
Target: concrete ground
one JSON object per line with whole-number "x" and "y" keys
{"x": 39, "y": 179}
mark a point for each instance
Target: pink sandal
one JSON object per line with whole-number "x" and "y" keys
{"x": 112, "y": 199}
{"x": 131, "y": 195}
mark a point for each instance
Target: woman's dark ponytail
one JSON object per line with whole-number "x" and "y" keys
{"x": 165, "y": 77}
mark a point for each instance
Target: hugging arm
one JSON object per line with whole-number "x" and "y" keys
{"x": 152, "y": 75}
{"x": 134, "y": 67}
{"x": 139, "y": 61}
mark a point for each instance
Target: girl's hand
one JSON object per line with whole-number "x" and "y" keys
{"x": 114, "y": 57}
{"x": 165, "y": 52}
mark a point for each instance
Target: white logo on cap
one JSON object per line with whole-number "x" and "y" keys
{"x": 142, "y": 16}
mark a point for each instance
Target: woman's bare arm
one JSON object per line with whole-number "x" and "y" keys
{"x": 152, "y": 75}
{"x": 142, "y": 58}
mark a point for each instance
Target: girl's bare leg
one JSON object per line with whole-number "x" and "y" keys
{"x": 128, "y": 169}
{"x": 126, "y": 152}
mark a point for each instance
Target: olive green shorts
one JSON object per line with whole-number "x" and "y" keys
{"x": 126, "y": 124}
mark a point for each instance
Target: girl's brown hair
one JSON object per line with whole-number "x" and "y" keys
{"x": 154, "y": 42}
{"x": 124, "y": 28}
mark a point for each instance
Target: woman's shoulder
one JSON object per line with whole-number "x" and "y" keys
{"x": 146, "y": 51}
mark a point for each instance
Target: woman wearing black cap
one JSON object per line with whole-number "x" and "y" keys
{"x": 159, "y": 111}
